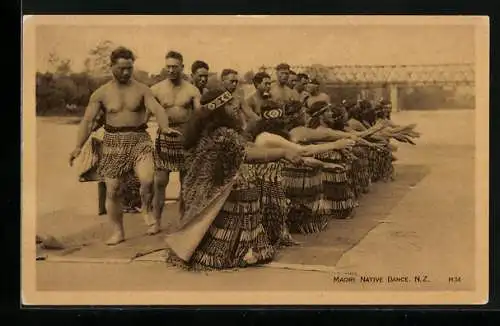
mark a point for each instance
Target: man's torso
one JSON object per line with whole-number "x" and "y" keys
{"x": 176, "y": 99}
{"x": 255, "y": 102}
{"x": 283, "y": 94}
{"x": 123, "y": 105}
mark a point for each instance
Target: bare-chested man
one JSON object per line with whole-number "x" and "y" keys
{"x": 126, "y": 144}
{"x": 292, "y": 79}
{"x": 230, "y": 81}
{"x": 280, "y": 92}
{"x": 199, "y": 75}
{"x": 262, "y": 83}
{"x": 179, "y": 98}
{"x": 300, "y": 85}
{"x": 314, "y": 94}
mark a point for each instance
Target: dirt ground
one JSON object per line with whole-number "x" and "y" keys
{"x": 430, "y": 231}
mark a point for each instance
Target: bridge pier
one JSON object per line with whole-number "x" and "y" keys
{"x": 393, "y": 97}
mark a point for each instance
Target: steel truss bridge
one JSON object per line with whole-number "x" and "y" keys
{"x": 417, "y": 75}
{"x": 389, "y": 77}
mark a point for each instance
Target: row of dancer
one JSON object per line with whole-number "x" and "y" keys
{"x": 246, "y": 191}
{"x": 188, "y": 122}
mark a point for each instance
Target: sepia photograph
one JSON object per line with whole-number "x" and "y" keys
{"x": 257, "y": 160}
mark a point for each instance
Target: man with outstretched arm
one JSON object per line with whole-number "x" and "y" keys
{"x": 127, "y": 145}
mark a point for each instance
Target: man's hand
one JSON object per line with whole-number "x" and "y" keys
{"x": 293, "y": 157}
{"x": 170, "y": 132}
{"x": 74, "y": 154}
{"x": 345, "y": 143}
{"x": 312, "y": 162}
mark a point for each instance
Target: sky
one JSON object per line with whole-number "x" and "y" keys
{"x": 247, "y": 47}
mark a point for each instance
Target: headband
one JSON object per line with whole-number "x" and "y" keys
{"x": 335, "y": 117}
{"x": 219, "y": 101}
{"x": 320, "y": 111}
{"x": 274, "y": 113}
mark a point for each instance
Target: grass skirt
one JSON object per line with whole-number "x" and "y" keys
{"x": 338, "y": 186}
{"x": 303, "y": 187}
{"x": 169, "y": 152}
{"x": 237, "y": 237}
{"x": 274, "y": 203}
{"x": 381, "y": 167}
{"x": 121, "y": 151}
{"x": 360, "y": 172}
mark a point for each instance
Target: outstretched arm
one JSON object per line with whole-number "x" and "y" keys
{"x": 269, "y": 140}
{"x": 304, "y": 135}
{"x": 87, "y": 123}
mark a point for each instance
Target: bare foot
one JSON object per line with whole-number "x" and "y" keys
{"x": 287, "y": 240}
{"x": 115, "y": 239}
{"x": 154, "y": 229}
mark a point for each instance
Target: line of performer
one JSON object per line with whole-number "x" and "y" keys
{"x": 254, "y": 170}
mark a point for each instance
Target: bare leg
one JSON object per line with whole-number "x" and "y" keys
{"x": 161, "y": 179}
{"x": 115, "y": 211}
{"x": 144, "y": 170}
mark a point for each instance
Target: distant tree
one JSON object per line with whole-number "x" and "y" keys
{"x": 59, "y": 66}
{"x": 97, "y": 62}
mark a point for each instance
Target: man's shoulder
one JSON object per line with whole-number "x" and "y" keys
{"x": 325, "y": 96}
{"x": 275, "y": 86}
{"x": 159, "y": 85}
{"x": 101, "y": 90}
{"x": 189, "y": 87}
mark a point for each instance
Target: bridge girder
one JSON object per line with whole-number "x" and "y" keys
{"x": 402, "y": 75}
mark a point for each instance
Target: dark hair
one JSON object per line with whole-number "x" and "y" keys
{"x": 334, "y": 118}
{"x": 198, "y": 64}
{"x": 203, "y": 122}
{"x": 259, "y": 77}
{"x": 302, "y": 76}
{"x": 226, "y": 72}
{"x": 314, "y": 81}
{"x": 272, "y": 125}
{"x": 355, "y": 112}
{"x": 314, "y": 122}
{"x": 174, "y": 55}
{"x": 294, "y": 114}
{"x": 121, "y": 53}
{"x": 283, "y": 66}
{"x": 293, "y": 73}
{"x": 367, "y": 112}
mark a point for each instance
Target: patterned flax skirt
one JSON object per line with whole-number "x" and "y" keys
{"x": 360, "y": 171}
{"x": 121, "y": 151}
{"x": 381, "y": 164}
{"x": 237, "y": 237}
{"x": 338, "y": 186}
{"x": 274, "y": 203}
{"x": 303, "y": 187}
{"x": 169, "y": 152}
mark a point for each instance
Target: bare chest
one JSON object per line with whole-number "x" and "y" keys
{"x": 281, "y": 94}
{"x": 175, "y": 96}
{"x": 128, "y": 99}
